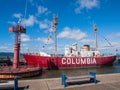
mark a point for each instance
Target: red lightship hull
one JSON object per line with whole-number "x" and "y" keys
{"x": 57, "y": 62}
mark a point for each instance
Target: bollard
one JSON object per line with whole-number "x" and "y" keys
{"x": 15, "y": 83}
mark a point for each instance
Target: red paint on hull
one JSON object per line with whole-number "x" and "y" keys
{"x": 67, "y": 62}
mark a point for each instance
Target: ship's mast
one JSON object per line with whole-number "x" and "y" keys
{"x": 55, "y": 36}
{"x": 96, "y": 40}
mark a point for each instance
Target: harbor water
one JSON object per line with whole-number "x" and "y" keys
{"x": 115, "y": 68}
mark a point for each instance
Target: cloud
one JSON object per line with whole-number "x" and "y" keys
{"x": 116, "y": 44}
{"x": 113, "y": 36}
{"x": 23, "y": 45}
{"x": 44, "y": 24}
{"x": 12, "y": 22}
{"x": 6, "y": 48}
{"x": 25, "y": 38}
{"x": 17, "y": 15}
{"x": 3, "y": 47}
{"x": 69, "y": 33}
{"x": 45, "y": 40}
{"x": 42, "y": 10}
{"x": 86, "y": 4}
{"x": 87, "y": 41}
{"x": 30, "y": 21}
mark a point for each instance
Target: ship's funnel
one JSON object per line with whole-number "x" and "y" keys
{"x": 86, "y": 47}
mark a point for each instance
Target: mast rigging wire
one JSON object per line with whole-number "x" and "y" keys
{"x": 25, "y": 11}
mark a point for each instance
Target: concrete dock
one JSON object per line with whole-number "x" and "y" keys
{"x": 104, "y": 82}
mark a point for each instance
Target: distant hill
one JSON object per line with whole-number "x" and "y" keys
{"x": 10, "y": 54}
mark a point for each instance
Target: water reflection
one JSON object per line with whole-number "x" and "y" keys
{"x": 80, "y": 71}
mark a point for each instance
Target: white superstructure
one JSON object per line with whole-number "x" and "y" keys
{"x": 84, "y": 52}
